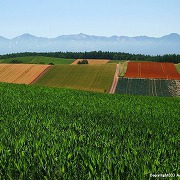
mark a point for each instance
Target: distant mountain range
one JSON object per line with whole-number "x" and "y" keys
{"x": 169, "y": 44}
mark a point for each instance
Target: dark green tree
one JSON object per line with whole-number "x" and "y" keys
{"x": 84, "y": 61}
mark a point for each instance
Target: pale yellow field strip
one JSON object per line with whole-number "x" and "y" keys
{"x": 93, "y": 61}
{"x": 20, "y": 73}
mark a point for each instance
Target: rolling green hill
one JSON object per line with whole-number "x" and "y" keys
{"x": 52, "y": 133}
{"x": 38, "y": 60}
{"x": 86, "y": 77}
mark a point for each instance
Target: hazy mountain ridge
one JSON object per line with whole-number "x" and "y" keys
{"x": 168, "y": 44}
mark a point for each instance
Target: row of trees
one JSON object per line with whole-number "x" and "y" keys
{"x": 175, "y": 58}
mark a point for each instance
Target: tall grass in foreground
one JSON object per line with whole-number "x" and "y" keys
{"x": 49, "y": 133}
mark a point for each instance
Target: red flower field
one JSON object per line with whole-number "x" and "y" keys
{"x": 153, "y": 70}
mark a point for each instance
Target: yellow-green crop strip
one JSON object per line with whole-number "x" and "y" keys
{"x": 52, "y": 133}
{"x": 85, "y": 77}
{"x": 122, "y": 68}
{"x": 178, "y": 67}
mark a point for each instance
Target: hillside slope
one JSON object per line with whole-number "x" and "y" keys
{"x": 57, "y": 133}
{"x": 85, "y": 77}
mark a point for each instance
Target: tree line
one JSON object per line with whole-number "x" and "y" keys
{"x": 174, "y": 58}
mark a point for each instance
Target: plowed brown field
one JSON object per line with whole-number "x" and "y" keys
{"x": 93, "y": 61}
{"x": 20, "y": 73}
{"x": 153, "y": 70}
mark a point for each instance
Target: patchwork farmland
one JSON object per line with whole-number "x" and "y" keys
{"x": 21, "y": 73}
{"x": 60, "y": 133}
{"x": 150, "y": 79}
{"x": 142, "y": 78}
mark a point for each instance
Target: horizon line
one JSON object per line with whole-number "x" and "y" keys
{"x": 88, "y": 35}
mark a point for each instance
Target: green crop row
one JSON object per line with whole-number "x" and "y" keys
{"x": 52, "y": 133}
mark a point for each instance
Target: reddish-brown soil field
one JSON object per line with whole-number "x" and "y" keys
{"x": 93, "y": 61}
{"x": 21, "y": 73}
{"x": 153, "y": 70}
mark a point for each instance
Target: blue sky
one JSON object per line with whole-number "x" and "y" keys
{"x": 51, "y": 18}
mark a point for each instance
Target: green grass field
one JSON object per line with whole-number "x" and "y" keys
{"x": 178, "y": 67}
{"x": 38, "y": 59}
{"x": 52, "y": 133}
{"x": 85, "y": 77}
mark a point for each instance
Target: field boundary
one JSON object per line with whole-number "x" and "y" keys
{"x": 40, "y": 75}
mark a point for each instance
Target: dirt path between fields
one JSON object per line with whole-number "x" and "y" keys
{"x": 115, "y": 81}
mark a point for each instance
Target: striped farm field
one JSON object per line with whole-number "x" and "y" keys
{"x": 85, "y": 77}
{"x": 153, "y": 70}
{"x": 148, "y": 87}
{"x": 93, "y": 61}
{"x": 21, "y": 73}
